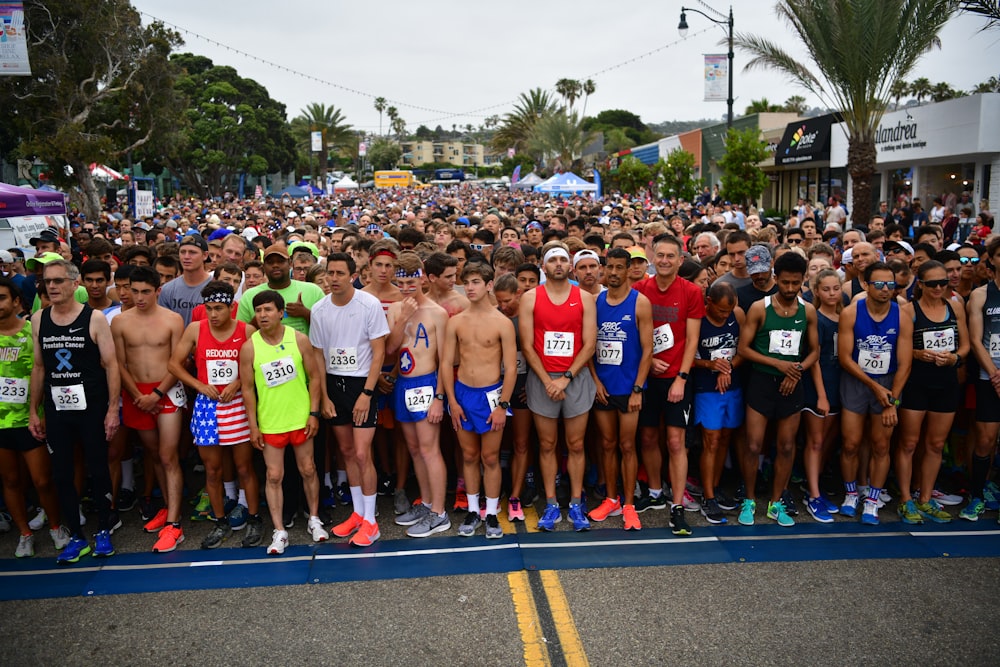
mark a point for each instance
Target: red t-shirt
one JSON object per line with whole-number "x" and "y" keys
{"x": 672, "y": 309}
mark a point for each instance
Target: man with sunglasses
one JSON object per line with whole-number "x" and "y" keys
{"x": 875, "y": 349}
{"x": 969, "y": 257}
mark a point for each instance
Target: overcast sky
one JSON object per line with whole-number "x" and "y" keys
{"x": 450, "y": 62}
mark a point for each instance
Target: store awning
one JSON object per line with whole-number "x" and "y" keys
{"x": 806, "y": 140}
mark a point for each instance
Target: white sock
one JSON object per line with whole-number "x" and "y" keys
{"x": 369, "y": 508}
{"x": 655, "y": 493}
{"x": 230, "y": 488}
{"x": 492, "y": 505}
{"x": 128, "y": 474}
{"x": 242, "y": 498}
{"x": 341, "y": 477}
{"x": 327, "y": 481}
{"x": 357, "y": 499}
{"x": 473, "y": 502}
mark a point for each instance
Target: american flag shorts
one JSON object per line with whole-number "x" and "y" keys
{"x": 215, "y": 423}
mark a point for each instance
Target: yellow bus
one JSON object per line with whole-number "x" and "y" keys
{"x": 395, "y": 179}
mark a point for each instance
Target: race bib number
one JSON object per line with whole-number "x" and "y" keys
{"x": 609, "y": 353}
{"x": 784, "y": 342}
{"x": 14, "y": 390}
{"x": 71, "y": 398}
{"x": 493, "y": 398}
{"x": 874, "y": 363}
{"x": 940, "y": 341}
{"x": 559, "y": 343}
{"x": 279, "y": 371}
{"x": 418, "y": 399}
{"x": 222, "y": 371}
{"x": 723, "y": 353}
{"x": 177, "y": 396}
{"x": 343, "y": 359}
{"x": 663, "y": 338}
{"x": 995, "y": 346}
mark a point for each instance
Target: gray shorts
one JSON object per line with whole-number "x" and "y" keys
{"x": 856, "y": 397}
{"x": 580, "y": 393}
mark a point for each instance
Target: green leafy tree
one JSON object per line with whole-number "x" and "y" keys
{"x": 942, "y": 91}
{"x": 856, "y": 82}
{"x": 570, "y": 90}
{"x": 633, "y": 175}
{"x": 423, "y": 133}
{"x": 795, "y": 104}
{"x": 589, "y": 88}
{"x": 384, "y": 154}
{"x": 742, "y": 180}
{"x": 102, "y": 87}
{"x": 616, "y": 140}
{"x": 380, "y": 105}
{"x": 509, "y": 164}
{"x": 992, "y": 85}
{"x": 921, "y": 88}
{"x": 561, "y": 137}
{"x": 329, "y": 120}
{"x": 676, "y": 175}
{"x": 516, "y": 127}
{"x": 235, "y": 127}
{"x": 763, "y": 105}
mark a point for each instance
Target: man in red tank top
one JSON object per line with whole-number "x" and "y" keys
{"x": 560, "y": 322}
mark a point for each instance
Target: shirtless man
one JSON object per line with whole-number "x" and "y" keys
{"x": 441, "y": 271}
{"x": 418, "y": 399}
{"x": 152, "y": 397}
{"x": 481, "y": 339}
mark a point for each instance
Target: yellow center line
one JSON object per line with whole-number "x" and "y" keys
{"x": 530, "y": 518}
{"x": 536, "y": 653}
{"x": 569, "y": 638}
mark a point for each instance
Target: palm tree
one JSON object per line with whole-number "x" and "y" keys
{"x": 763, "y": 105}
{"x": 795, "y": 104}
{"x": 856, "y": 82}
{"x": 398, "y": 127}
{"x": 898, "y": 90}
{"x": 588, "y": 89}
{"x": 990, "y": 86}
{"x": 920, "y": 88}
{"x": 380, "y": 105}
{"x": 569, "y": 90}
{"x": 561, "y": 136}
{"x": 941, "y": 91}
{"x": 329, "y": 120}
{"x": 990, "y": 9}
{"x": 515, "y": 128}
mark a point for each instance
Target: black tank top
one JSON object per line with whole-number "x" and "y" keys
{"x": 937, "y": 337}
{"x": 71, "y": 357}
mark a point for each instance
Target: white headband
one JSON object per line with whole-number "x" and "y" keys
{"x": 555, "y": 252}
{"x": 585, "y": 254}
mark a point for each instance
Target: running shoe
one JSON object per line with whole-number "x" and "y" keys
{"x": 25, "y": 547}
{"x": 631, "y": 518}
{"x": 219, "y": 534}
{"x": 493, "y": 529}
{"x": 747, "y": 509}
{"x": 367, "y": 534}
{"x": 973, "y": 510}
{"x": 818, "y": 511}
{"x": 74, "y": 551}
{"x": 146, "y": 508}
{"x": 316, "y": 530}
{"x": 400, "y": 503}
{"x": 102, "y": 545}
{"x": 158, "y": 521}
{"x": 461, "y": 501}
{"x": 869, "y": 516}
{"x": 991, "y": 496}
{"x": 36, "y": 522}
{"x": 327, "y": 498}
{"x": 788, "y": 500}
{"x": 608, "y": 507}
{"x": 712, "y": 512}
{"x": 678, "y": 524}
{"x": 350, "y": 526}
{"x": 776, "y": 512}
{"x": 470, "y": 524}
{"x": 648, "y": 502}
{"x": 279, "y": 540}
{"x": 254, "y": 534}
{"x": 238, "y": 517}
{"x": 514, "y": 510}
{"x": 413, "y": 515}
{"x": 948, "y": 499}
{"x": 60, "y": 537}
{"x": 288, "y": 517}
{"x": 344, "y": 494}
{"x": 690, "y": 504}
{"x": 114, "y": 522}
{"x": 885, "y": 497}
{"x": 550, "y": 517}
{"x": 578, "y": 517}
{"x": 933, "y": 511}
{"x": 430, "y": 524}
{"x": 863, "y": 494}
{"x": 909, "y": 514}
{"x": 202, "y": 508}
{"x": 168, "y": 539}
{"x": 386, "y": 484}
{"x": 831, "y": 507}
{"x": 126, "y": 500}
{"x": 850, "y": 505}
{"x": 726, "y": 502}
{"x": 693, "y": 487}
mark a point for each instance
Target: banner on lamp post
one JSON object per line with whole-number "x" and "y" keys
{"x": 716, "y": 77}
{"x": 13, "y": 40}
{"x": 317, "y": 141}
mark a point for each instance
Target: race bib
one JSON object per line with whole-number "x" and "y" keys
{"x": 940, "y": 341}
{"x": 177, "y": 395}
{"x": 522, "y": 367}
{"x": 784, "y": 342}
{"x": 493, "y": 398}
{"x": 14, "y": 390}
{"x": 222, "y": 371}
{"x": 663, "y": 338}
{"x": 279, "y": 371}
{"x": 874, "y": 363}
{"x": 995, "y": 346}
{"x": 418, "y": 399}
{"x": 559, "y": 343}
{"x": 70, "y": 398}
{"x": 723, "y": 353}
{"x": 609, "y": 353}
{"x": 343, "y": 359}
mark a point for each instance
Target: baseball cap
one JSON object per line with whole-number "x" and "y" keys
{"x": 890, "y": 246}
{"x": 219, "y": 234}
{"x": 585, "y": 254}
{"x": 45, "y": 236}
{"x": 848, "y": 256}
{"x": 758, "y": 259}
{"x": 196, "y": 240}
{"x": 276, "y": 249}
{"x": 42, "y": 259}
{"x": 307, "y": 245}
{"x": 636, "y": 252}
{"x": 171, "y": 224}
{"x": 463, "y": 221}
{"x": 6, "y": 257}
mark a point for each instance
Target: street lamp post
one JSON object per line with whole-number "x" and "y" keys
{"x": 682, "y": 28}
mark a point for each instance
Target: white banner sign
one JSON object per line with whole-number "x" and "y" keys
{"x": 13, "y": 40}
{"x": 716, "y": 77}
{"x": 317, "y": 141}
{"x": 362, "y": 149}
{"x": 144, "y": 203}
{"x": 28, "y": 226}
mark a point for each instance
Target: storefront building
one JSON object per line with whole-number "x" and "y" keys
{"x": 801, "y": 169}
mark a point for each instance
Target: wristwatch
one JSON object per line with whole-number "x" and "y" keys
{"x": 504, "y": 404}
{"x": 368, "y": 392}
{"x": 636, "y": 389}
{"x": 314, "y": 414}
{"x": 439, "y": 397}
{"x": 568, "y": 374}
{"x": 682, "y": 375}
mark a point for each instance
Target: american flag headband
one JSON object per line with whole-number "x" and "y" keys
{"x": 403, "y": 273}
{"x": 219, "y": 297}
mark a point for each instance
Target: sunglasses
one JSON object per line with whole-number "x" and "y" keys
{"x": 934, "y": 284}
{"x": 477, "y": 246}
{"x": 883, "y": 284}
{"x": 794, "y": 241}
{"x": 969, "y": 260}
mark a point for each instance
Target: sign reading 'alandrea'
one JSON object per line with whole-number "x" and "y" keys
{"x": 898, "y": 137}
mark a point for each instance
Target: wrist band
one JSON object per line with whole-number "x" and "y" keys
{"x": 156, "y": 390}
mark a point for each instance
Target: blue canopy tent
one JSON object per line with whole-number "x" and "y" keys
{"x": 306, "y": 185}
{"x": 566, "y": 183}
{"x": 294, "y": 191}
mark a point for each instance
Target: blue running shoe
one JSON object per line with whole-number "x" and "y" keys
{"x": 74, "y": 551}
{"x": 550, "y": 518}
{"x": 229, "y": 505}
{"x": 102, "y": 545}
{"x": 831, "y": 507}
{"x": 869, "y": 516}
{"x": 850, "y": 505}
{"x": 973, "y": 510}
{"x": 238, "y": 517}
{"x": 579, "y": 519}
{"x": 747, "y": 509}
{"x": 818, "y": 511}
{"x": 991, "y": 496}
